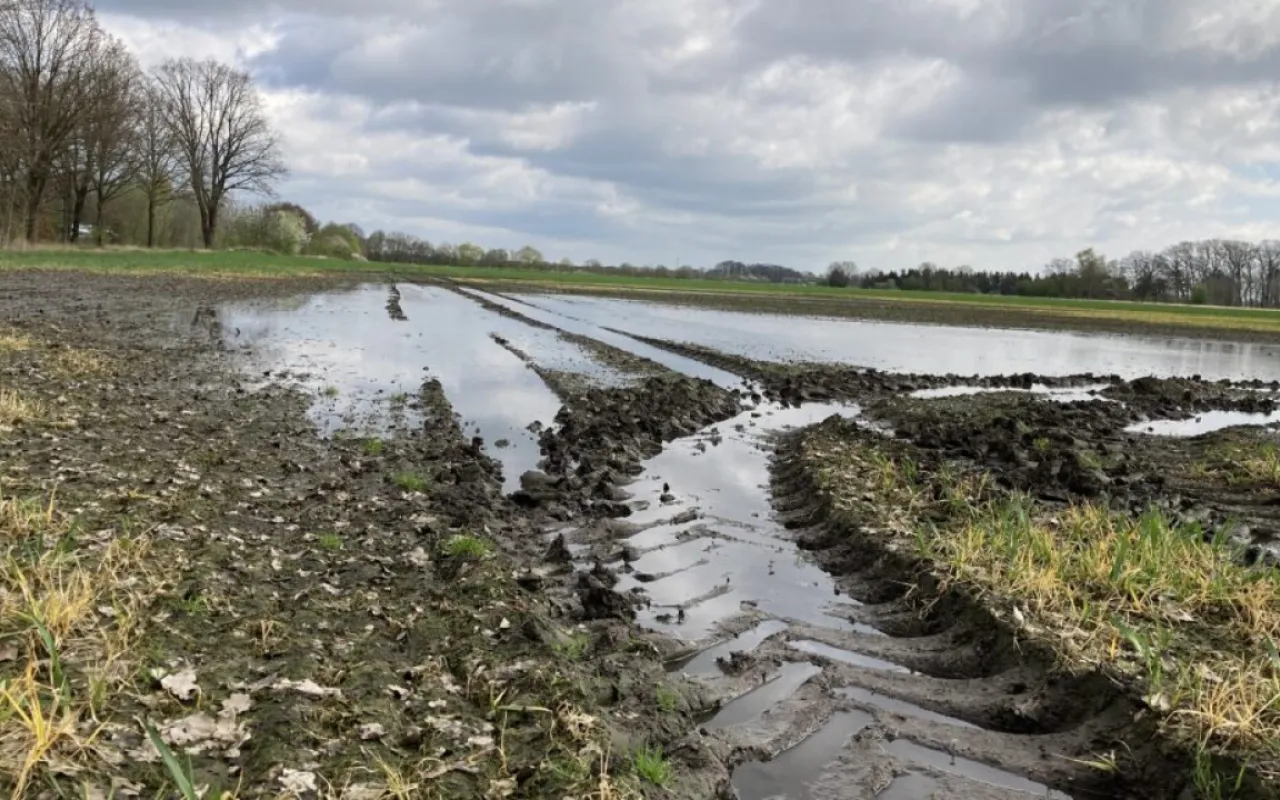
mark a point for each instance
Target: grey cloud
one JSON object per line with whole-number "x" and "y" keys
{"x": 982, "y": 109}
{"x": 455, "y": 67}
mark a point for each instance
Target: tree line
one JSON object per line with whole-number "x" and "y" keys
{"x": 404, "y": 248}
{"x": 1215, "y": 271}
{"x": 86, "y": 131}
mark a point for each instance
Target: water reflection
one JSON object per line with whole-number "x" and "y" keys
{"x": 357, "y": 349}
{"x": 922, "y": 348}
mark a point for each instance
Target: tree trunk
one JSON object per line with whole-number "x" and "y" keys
{"x": 210, "y": 226}
{"x": 97, "y": 222}
{"x": 151, "y": 219}
{"x": 77, "y": 211}
{"x": 35, "y": 193}
{"x": 32, "y": 212}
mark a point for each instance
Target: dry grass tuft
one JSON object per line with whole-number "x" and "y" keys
{"x": 12, "y": 343}
{"x": 15, "y": 408}
{"x": 1160, "y": 605}
{"x": 75, "y": 362}
{"x": 67, "y": 361}
{"x": 69, "y": 616}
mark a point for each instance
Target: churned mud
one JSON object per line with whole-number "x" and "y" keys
{"x": 309, "y": 539}
{"x": 290, "y": 614}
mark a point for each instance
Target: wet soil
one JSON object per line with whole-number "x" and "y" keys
{"x": 946, "y": 653}
{"x": 1064, "y": 452}
{"x": 995, "y": 677}
{"x": 359, "y": 628}
{"x": 395, "y": 610}
{"x": 795, "y": 383}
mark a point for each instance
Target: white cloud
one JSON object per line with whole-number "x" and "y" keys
{"x": 992, "y": 132}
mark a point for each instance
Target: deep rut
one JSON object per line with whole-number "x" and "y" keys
{"x": 873, "y": 685}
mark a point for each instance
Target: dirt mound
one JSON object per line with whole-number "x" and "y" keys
{"x": 601, "y": 435}
{"x": 1175, "y": 398}
{"x": 1051, "y": 448}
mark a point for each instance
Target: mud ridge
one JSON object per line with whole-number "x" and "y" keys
{"x": 602, "y": 435}
{"x": 796, "y": 383}
{"x": 1004, "y": 683}
{"x": 617, "y": 358}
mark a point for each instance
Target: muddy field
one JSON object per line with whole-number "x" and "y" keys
{"x": 308, "y": 539}
{"x": 914, "y": 308}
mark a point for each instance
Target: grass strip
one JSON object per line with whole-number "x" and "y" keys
{"x": 1160, "y": 606}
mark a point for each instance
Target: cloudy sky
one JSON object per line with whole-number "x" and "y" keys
{"x": 999, "y": 133}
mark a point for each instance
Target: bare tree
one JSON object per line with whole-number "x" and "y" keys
{"x": 1238, "y": 259}
{"x": 75, "y": 166}
{"x": 111, "y": 127}
{"x": 156, "y": 156}
{"x": 47, "y": 53}
{"x": 1093, "y": 270}
{"x": 1269, "y": 274}
{"x": 215, "y": 116}
{"x": 841, "y": 273}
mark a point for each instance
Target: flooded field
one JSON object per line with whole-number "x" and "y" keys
{"x": 920, "y": 348}
{"x": 437, "y": 525}
{"x": 362, "y": 362}
{"x": 702, "y": 551}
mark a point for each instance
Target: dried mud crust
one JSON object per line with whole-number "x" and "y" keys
{"x": 312, "y": 628}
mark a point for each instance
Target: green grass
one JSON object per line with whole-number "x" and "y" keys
{"x": 410, "y": 481}
{"x": 652, "y": 766}
{"x": 373, "y": 447}
{"x": 330, "y": 541}
{"x": 574, "y": 647}
{"x": 1243, "y": 464}
{"x": 668, "y": 699}
{"x": 1175, "y": 614}
{"x": 194, "y": 261}
{"x": 466, "y": 546}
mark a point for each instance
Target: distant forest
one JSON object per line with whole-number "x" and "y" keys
{"x": 1213, "y": 271}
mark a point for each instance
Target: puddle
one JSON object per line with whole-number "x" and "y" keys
{"x": 1059, "y": 395}
{"x": 704, "y": 663}
{"x": 751, "y": 705}
{"x": 1207, "y": 422}
{"x": 900, "y": 707}
{"x": 847, "y": 657}
{"x": 722, "y": 473}
{"x": 687, "y": 366}
{"x": 789, "y": 774}
{"x": 358, "y": 358}
{"x": 921, "y": 348}
{"x": 972, "y": 770}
